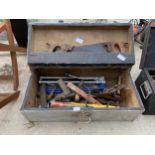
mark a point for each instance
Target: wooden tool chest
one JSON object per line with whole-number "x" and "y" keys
{"x": 145, "y": 82}
{"x": 46, "y": 58}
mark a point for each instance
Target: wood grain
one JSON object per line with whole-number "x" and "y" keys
{"x": 5, "y": 98}
{"x": 13, "y": 54}
{"x": 4, "y": 47}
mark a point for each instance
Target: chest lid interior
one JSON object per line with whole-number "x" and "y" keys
{"x": 148, "y": 53}
{"x": 86, "y": 44}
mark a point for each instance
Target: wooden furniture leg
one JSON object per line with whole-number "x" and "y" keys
{"x": 13, "y": 54}
{"x": 5, "y": 98}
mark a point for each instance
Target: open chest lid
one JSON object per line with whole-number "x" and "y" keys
{"x": 86, "y": 44}
{"x": 148, "y": 53}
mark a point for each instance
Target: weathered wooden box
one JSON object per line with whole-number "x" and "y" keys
{"x": 145, "y": 82}
{"x": 109, "y": 65}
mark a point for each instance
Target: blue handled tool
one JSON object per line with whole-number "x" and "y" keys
{"x": 87, "y": 88}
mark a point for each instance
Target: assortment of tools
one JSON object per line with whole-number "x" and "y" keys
{"x": 74, "y": 91}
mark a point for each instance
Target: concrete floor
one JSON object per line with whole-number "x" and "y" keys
{"x": 13, "y": 122}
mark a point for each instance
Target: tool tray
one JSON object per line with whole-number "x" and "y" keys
{"x": 132, "y": 107}
{"x": 43, "y": 38}
{"x": 45, "y": 64}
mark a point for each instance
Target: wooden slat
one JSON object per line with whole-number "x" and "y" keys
{"x": 13, "y": 54}
{"x": 2, "y": 27}
{"x": 5, "y": 98}
{"x": 4, "y": 47}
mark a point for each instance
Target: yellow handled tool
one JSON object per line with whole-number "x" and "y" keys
{"x": 92, "y": 105}
{"x": 56, "y": 104}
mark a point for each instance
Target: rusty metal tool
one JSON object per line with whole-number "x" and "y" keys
{"x": 100, "y": 47}
{"x": 67, "y": 47}
{"x": 43, "y": 96}
{"x": 116, "y": 47}
{"x": 119, "y": 83}
{"x": 50, "y": 95}
{"x": 107, "y": 96}
{"x": 58, "y": 47}
{"x": 73, "y": 78}
{"x": 63, "y": 86}
{"x": 77, "y": 98}
{"x": 120, "y": 47}
{"x": 82, "y": 93}
{"x": 66, "y": 77}
{"x": 115, "y": 88}
{"x": 108, "y": 102}
{"x": 63, "y": 96}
